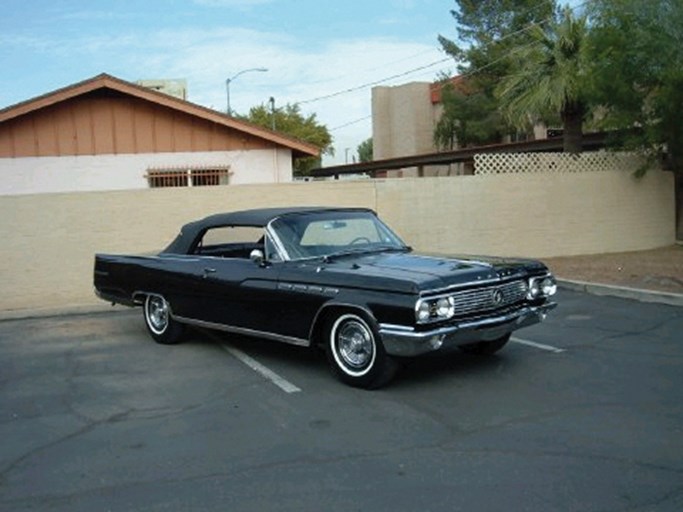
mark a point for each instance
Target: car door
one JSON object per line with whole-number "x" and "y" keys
{"x": 234, "y": 290}
{"x": 238, "y": 292}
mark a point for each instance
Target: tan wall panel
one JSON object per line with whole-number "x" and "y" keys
{"x": 25, "y": 142}
{"x": 539, "y": 215}
{"x": 124, "y": 127}
{"x": 144, "y": 129}
{"x": 6, "y": 143}
{"x": 182, "y": 134}
{"x": 66, "y": 130}
{"x": 95, "y": 124}
{"x": 49, "y": 240}
{"x": 45, "y": 134}
{"x": 163, "y": 125}
{"x": 103, "y": 125}
{"x": 84, "y": 130}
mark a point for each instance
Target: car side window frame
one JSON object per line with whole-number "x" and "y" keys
{"x": 277, "y": 243}
{"x": 198, "y": 244}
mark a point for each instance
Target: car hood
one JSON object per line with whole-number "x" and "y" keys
{"x": 416, "y": 273}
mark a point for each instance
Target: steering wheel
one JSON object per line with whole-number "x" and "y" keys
{"x": 360, "y": 239}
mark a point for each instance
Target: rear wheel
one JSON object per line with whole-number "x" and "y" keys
{"x": 355, "y": 352}
{"x": 160, "y": 325}
{"x": 485, "y": 348}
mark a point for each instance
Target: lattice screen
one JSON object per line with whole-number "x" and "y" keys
{"x": 515, "y": 163}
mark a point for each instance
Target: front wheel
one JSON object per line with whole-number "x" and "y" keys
{"x": 486, "y": 348}
{"x": 161, "y": 327}
{"x": 355, "y": 353}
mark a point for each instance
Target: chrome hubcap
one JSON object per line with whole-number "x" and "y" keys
{"x": 157, "y": 313}
{"x": 355, "y": 344}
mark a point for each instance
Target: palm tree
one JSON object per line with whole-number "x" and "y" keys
{"x": 550, "y": 78}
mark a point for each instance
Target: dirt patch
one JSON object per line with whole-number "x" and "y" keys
{"x": 657, "y": 269}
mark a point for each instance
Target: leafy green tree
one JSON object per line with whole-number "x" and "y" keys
{"x": 639, "y": 78}
{"x": 551, "y": 75}
{"x": 290, "y": 121}
{"x": 638, "y": 51}
{"x": 364, "y": 150}
{"x": 467, "y": 118}
{"x": 489, "y": 32}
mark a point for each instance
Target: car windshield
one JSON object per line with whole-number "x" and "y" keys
{"x": 332, "y": 233}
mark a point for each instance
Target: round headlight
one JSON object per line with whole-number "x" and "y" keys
{"x": 444, "y": 307}
{"x": 422, "y": 311}
{"x": 549, "y": 286}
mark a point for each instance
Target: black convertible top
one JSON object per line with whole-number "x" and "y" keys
{"x": 248, "y": 218}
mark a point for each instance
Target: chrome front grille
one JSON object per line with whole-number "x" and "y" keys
{"x": 488, "y": 298}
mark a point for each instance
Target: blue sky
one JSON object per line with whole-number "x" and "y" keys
{"x": 311, "y": 49}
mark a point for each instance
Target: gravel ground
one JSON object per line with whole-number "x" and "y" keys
{"x": 657, "y": 269}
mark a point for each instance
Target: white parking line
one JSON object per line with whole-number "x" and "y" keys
{"x": 540, "y": 346}
{"x": 264, "y": 371}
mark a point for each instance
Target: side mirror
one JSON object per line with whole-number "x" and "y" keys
{"x": 256, "y": 255}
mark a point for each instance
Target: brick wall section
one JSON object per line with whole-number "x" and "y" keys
{"x": 49, "y": 240}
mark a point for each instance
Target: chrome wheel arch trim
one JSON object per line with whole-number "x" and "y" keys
{"x": 340, "y": 305}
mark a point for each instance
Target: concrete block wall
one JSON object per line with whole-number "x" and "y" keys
{"x": 48, "y": 241}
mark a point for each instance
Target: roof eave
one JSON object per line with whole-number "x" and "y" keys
{"x": 105, "y": 81}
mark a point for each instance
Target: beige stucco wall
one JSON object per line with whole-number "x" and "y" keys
{"x": 49, "y": 240}
{"x": 403, "y": 122}
{"x": 403, "y": 119}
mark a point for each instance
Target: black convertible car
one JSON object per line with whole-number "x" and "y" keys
{"x": 332, "y": 277}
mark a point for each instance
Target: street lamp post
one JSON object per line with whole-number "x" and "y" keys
{"x": 228, "y": 80}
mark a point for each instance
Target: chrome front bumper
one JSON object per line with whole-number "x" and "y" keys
{"x": 405, "y": 341}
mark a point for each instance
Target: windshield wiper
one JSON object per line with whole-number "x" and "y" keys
{"x": 365, "y": 250}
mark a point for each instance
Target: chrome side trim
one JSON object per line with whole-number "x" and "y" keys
{"x": 139, "y": 296}
{"x": 242, "y": 330}
{"x": 139, "y": 299}
{"x": 394, "y": 327}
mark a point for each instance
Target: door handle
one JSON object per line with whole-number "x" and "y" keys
{"x": 208, "y": 271}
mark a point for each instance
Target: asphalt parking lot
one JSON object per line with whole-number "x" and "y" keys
{"x": 581, "y": 413}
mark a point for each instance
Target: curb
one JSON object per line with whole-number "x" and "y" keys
{"x": 80, "y": 309}
{"x": 623, "y": 292}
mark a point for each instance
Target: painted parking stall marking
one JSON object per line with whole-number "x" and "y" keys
{"x": 262, "y": 370}
{"x": 540, "y": 346}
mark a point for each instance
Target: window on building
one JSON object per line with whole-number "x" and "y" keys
{"x": 188, "y": 177}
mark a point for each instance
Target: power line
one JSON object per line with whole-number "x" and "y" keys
{"x": 464, "y": 75}
{"x": 374, "y": 68}
{"x": 427, "y": 66}
{"x": 376, "y": 82}
{"x": 356, "y": 121}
